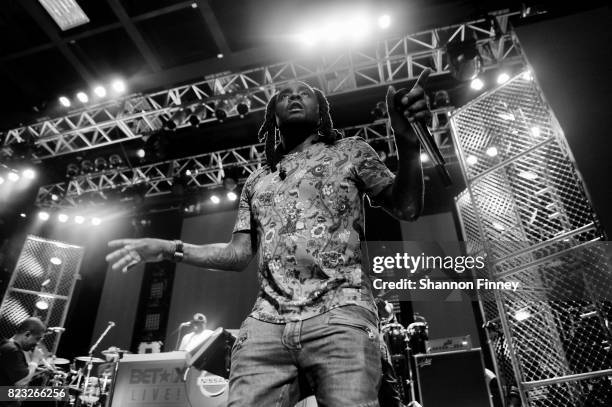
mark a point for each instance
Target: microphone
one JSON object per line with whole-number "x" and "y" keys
{"x": 111, "y": 323}
{"x": 185, "y": 323}
{"x": 56, "y": 329}
{"x": 282, "y": 173}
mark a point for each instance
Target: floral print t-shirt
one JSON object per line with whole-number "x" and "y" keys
{"x": 308, "y": 229}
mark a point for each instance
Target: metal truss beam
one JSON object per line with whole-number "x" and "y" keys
{"x": 207, "y": 170}
{"x": 378, "y": 64}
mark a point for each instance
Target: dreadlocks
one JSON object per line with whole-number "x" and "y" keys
{"x": 267, "y": 131}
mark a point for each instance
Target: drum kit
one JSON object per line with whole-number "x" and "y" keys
{"x": 402, "y": 344}
{"x": 88, "y": 379}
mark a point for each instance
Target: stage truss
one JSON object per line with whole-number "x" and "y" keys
{"x": 208, "y": 170}
{"x": 381, "y": 63}
{"x": 525, "y": 208}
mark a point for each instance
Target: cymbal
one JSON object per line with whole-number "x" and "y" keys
{"x": 60, "y": 361}
{"x": 87, "y": 359}
{"x": 114, "y": 351}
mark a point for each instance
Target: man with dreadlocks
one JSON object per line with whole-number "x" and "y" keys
{"x": 314, "y": 317}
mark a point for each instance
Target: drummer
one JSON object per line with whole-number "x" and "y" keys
{"x": 19, "y": 355}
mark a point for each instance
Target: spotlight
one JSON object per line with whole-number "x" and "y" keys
{"x": 215, "y": 199}
{"x": 13, "y": 176}
{"x": 197, "y": 115}
{"x": 232, "y": 196}
{"x": 424, "y": 158}
{"x": 42, "y": 304}
{"x": 87, "y": 166}
{"x": 43, "y": 215}
{"x": 188, "y": 173}
{"x": 29, "y": 173}
{"x": 23, "y": 215}
{"x": 55, "y": 260}
{"x": 308, "y": 38}
{"x": 1, "y": 180}
{"x": 176, "y": 119}
{"x": 220, "y": 113}
{"x": 503, "y": 78}
{"x": 522, "y": 314}
{"x": 115, "y": 161}
{"x": 79, "y": 219}
{"x": 527, "y": 76}
{"x": 72, "y": 170}
{"x": 384, "y": 21}
{"x": 140, "y": 153}
{"x": 62, "y": 217}
{"x": 477, "y": 84}
{"x": 100, "y": 91}
{"x": 491, "y": 151}
{"x": 100, "y": 164}
{"x": 82, "y": 97}
{"x": 243, "y": 108}
{"x": 219, "y": 55}
{"x": 464, "y": 60}
{"x": 64, "y": 101}
{"x": 471, "y": 159}
{"x": 54, "y": 197}
{"x": 96, "y": 221}
{"x": 118, "y": 86}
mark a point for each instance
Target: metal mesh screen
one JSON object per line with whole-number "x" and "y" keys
{"x": 527, "y": 209}
{"x": 41, "y": 286}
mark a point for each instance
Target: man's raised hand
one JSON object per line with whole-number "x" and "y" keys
{"x": 130, "y": 252}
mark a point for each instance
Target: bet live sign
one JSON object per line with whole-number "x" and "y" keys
{"x": 164, "y": 379}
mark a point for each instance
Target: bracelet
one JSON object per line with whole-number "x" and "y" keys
{"x": 178, "y": 254}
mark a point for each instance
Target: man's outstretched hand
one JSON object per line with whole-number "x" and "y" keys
{"x": 130, "y": 252}
{"x": 412, "y": 106}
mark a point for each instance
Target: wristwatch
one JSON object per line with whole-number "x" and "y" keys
{"x": 178, "y": 254}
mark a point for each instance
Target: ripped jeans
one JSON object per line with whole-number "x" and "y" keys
{"x": 337, "y": 353}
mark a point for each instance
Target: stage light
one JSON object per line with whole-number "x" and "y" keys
{"x": 100, "y": 91}
{"x": 96, "y": 221}
{"x": 64, "y": 101}
{"x": 29, "y": 173}
{"x": 55, "y": 260}
{"x": 62, "y": 217}
{"x": 535, "y": 131}
{"x": 503, "y": 78}
{"x": 118, "y": 86}
{"x": 215, "y": 199}
{"x": 197, "y": 114}
{"x": 220, "y": 113}
{"x": 477, "y": 84}
{"x": 87, "y": 166}
{"x": 42, "y": 304}
{"x": 232, "y": 196}
{"x": 424, "y": 157}
{"x": 464, "y": 59}
{"x": 140, "y": 153}
{"x": 188, "y": 173}
{"x": 115, "y": 161}
{"x": 1, "y": 180}
{"x": 471, "y": 159}
{"x": 82, "y": 97}
{"x": 308, "y": 38}
{"x": 79, "y": 219}
{"x": 43, "y": 215}
{"x": 67, "y": 14}
{"x": 100, "y": 164}
{"x": 243, "y": 108}
{"x": 13, "y": 176}
{"x": 527, "y": 76}
{"x": 491, "y": 151}
{"x": 54, "y": 197}
{"x": 23, "y": 215}
{"x": 219, "y": 55}
{"x": 194, "y": 5}
{"x": 528, "y": 175}
{"x": 384, "y": 21}
{"x": 72, "y": 170}
{"x": 176, "y": 119}
{"x": 522, "y": 315}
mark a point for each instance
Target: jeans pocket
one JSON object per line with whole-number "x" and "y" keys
{"x": 357, "y": 325}
{"x": 243, "y": 335}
